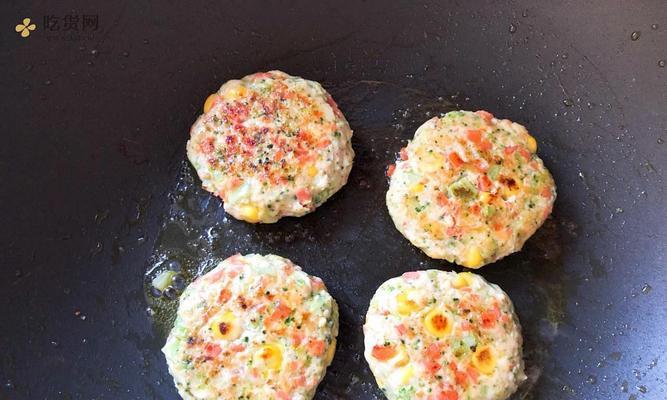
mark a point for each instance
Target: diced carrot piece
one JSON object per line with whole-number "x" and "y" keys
{"x": 207, "y": 145}
{"x": 300, "y": 381}
{"x": 383, "y": 353}
{"x": 411, "y": 275}
{"x": 215, "y": 275}
{"x": 212, "y": 350}
{"x": 487, "y": 116}
{"x": 224, "y": 296}
{"x": 431, "y": 366}
{"x": 509, "y": 150}
{"x": 472, "y": 373}
{"x": 297, "y": 337}
{"x": 402, "y": 329}
{"x": 448, "y": 395}
{"x": 281, "y": 312}
{"x": 490, "y": 317}
{"x": 303, "y": 195}
{"x": 390, "y": 170}
{"x": 282, "y": 395}
{"x": 484, "y": 183}
{"x": 455, "y": 159}
{"x": 316, "y": 283}
{"x": 479, "y": 166}
{"x": 454, "y": 231}
{"x": 546, "y": 192}
{"x": 324, "y": 143}
{"x": 315, "y": 347}
{"x": 237, "y": 347}
{"x": 442, "y": 199}
{"x": 404, "y": 154}
{"x": 461, "y": 378}
{"x": 433, "y": 351}
{"x": 474, "y": 135}
{"x": 485, "y": 145}
{"x": 524, "y": 153}
{"x": 333, "y": 105}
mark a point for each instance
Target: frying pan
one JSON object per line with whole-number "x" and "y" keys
{"x": 95, "y": 190}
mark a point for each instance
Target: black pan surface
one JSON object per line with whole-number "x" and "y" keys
{"x": 95, "y": 189}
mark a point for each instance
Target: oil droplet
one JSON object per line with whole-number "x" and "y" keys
{"x": 94, "y": 52}
{"x": 642, "y": 389}
{"x": 616, "y": 356}
{"x": 524, "y": 13}
{"x": 568, "y": 102}
{"x": 592, "y": 379}
{"x": 635, "y": 35}
{"x": 126, "y": 54}
{"x": 661, "y": 63}
{"x": 512, "y": 28}
{"x": 174, "y": 265}
{"x": 660, "y": 140}
{"x": 170, "y": 293}
{"x": 97, "y": 249}
{"x": 646, "y": 288}
{"x": 654, "y": 26}
{"x": 47, "y": 82}
{"x": 624, "y": 387}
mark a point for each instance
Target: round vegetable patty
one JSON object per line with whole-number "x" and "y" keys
{"x": 470, "y": 188}
{"x": 438, "y": 335}
{"x": 271, "y": 145}
{"x": 254, "y": 327}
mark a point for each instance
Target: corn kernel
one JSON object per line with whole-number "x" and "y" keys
{"x": 406, "y": 374}
{"x": 404, "y": 305}
{"x": 485, "y": 197}
{"x": 312, "y": 171}
{"x": 437, "y": 323}
{"x": 532, "y": 144}
{"x": 401, "y": 358}
{"x": 210, "y": 100}
{"x": 417, "y": 188}
{"x": 234, "y": 91}
{"x": 270, "y": 356}
{"x": 473, "y": 258}
{"x": 430, "y": 162}
{"x": 226, "y": 327}
{"x": 484, "y": 360}
{"x": 509, "y": 191}
{"x": 462, "y": 279}
{"x": 249, "y": 213}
